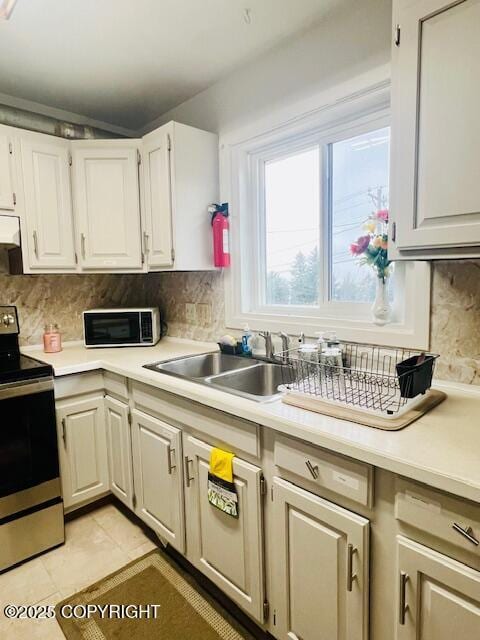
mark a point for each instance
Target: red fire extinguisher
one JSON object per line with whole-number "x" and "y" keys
{"x": 221, "y": 241}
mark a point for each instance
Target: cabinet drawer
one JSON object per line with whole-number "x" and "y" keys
{"x": 222, "y": 429}
{"x": 346, "y": 477}
{"x": 116, "y": 385}
{"x": 78, "y": 384}
{"x": 438, "y": 514}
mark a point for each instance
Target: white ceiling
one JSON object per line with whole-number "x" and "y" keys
{"x": 126, "y": 62}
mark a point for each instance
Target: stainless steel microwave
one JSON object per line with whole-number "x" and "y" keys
{"x": 121, "y": 327}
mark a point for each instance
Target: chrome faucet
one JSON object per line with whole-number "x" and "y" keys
{"x": 285, "y": 345}
{"x": 269, "y": 348}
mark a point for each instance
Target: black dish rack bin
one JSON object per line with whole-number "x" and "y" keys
{"x": 415, "y": 377}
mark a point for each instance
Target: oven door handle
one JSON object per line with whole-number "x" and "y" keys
{"x": 25, "y": 388}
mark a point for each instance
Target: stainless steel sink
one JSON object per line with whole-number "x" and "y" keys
{"x": 246, "y": 377}
{"x": 202, "y": 366}
{"x": 259, "y": 382}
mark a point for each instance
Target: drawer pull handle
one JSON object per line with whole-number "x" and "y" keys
{"x": 188, "y": 479}
{"x": 169, "y": 460}
{"x": 313, "y": 469}
{"x": 403, "y": 606}
{"x": 350, "y": 575}
{"x": 467, "y": 533}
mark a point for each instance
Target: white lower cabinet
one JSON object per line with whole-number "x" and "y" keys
{"x": 82, "y": 449}
{"x": 320, "y": 567}
{"x": 119, "y": 446}
{"x": 438, "y": 598}
{"x": 228, "y": 550}
{"x": 157, "y": 467}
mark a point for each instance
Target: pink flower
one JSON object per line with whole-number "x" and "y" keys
{"x": 359, "y": 247}
{"x": 382, "y": 215}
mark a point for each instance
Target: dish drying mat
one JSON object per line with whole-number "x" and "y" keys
{"x": 412, "y": 410}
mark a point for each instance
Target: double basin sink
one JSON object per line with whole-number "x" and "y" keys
{"x": 247, "y": 377}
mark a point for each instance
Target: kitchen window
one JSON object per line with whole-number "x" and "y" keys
{"x": 299, "y": 198}
{"x": 308, "y": 261}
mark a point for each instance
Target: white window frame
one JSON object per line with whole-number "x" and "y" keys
{"x": 242, "y": 187}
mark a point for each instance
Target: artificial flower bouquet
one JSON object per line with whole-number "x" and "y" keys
{"x": 372, "y": 247}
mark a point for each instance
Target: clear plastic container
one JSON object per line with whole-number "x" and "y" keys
{"x": 52, "y": 339}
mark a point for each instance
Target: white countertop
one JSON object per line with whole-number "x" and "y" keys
{"x": 441, "y": 449}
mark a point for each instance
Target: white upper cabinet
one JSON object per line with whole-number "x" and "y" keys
{"x": 180, "y": 169}
{"x": 157, "y": 236}
{"x": 107, "y": 204}
{"x": 47, "y": 220}
{"x": 7, "y": 196}
{"x": 435, "y": 190}
{"x": 111, "y": 205}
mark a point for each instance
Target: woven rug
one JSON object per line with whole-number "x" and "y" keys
{"x": 186, "y": 611}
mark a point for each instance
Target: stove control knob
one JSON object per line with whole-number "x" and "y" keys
{"x": 8, "y": 319}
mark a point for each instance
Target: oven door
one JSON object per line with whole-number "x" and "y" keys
{"x": 112, "y": 328}
{"x": 28, "y": 437}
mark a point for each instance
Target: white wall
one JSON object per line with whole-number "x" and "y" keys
{"x": 349, "y": 42}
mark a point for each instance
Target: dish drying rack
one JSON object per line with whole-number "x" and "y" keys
{"x": 359, "y": 380}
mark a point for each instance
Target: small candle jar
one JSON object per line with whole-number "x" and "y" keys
{"x": 52, "y": 340}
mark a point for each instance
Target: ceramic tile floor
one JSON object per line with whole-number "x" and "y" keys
{"x": 97, "y": 544}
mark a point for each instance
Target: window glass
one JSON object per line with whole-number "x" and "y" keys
{"x": 359, "y": 188}
{"x": 292, "y": 227}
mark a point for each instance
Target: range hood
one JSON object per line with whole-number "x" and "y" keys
{"x": 9, "y": 232}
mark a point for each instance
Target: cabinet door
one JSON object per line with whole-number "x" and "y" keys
{"x": 48, "y": 203}
{"x": 119, "y": 449}
{"x": 6, "y": 182}
{"x": 320, "y": 568}
{"x": 435, "y": 191}
{"x": 83, "y": 450}
{"x": 227, "y": 550}
{"x": 438, "y": 598}
{"x": 158, "y": 197}
{"x": 157, "y": 466}
{"x": 107, "y": 207}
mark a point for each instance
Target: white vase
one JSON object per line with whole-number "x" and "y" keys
{"x": 381, "y": 308}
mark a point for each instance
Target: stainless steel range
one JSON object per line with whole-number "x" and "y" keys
{"x": 31, "y": 506}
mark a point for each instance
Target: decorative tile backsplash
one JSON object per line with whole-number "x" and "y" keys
{"x": 171, "y": 291}
{"x": 62, "y": 298}
{"x": 455, "y": 321}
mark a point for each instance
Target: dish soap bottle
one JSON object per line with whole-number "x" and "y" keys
{"x": 247, "y": 337}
